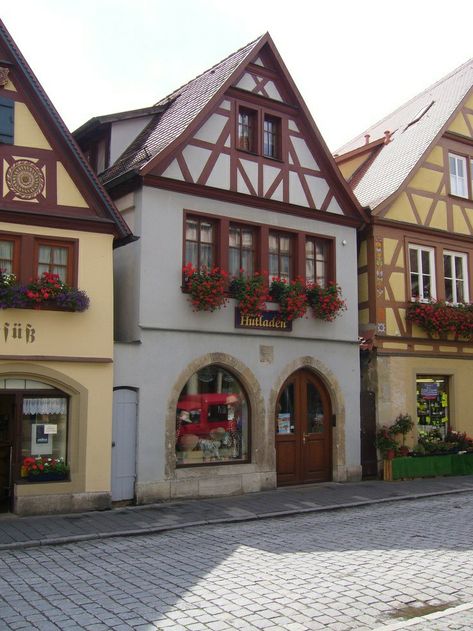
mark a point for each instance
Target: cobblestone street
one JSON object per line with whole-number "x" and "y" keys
{"x": 361, "y": 568}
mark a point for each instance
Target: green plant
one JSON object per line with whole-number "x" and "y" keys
{"x": 402, "y": 425}
{"x": 385, "y": 440}
{"x": 207, "y": 287}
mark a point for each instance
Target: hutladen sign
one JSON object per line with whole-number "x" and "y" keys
{"x": 267, "y": 321}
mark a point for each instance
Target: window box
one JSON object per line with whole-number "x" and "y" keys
{"x": 48, "y": 292}
{"x": 440, "y": 319}
{"x": 429, "y": 466}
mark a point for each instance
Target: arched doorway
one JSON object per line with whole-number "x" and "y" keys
{"x": 303, "y": 430}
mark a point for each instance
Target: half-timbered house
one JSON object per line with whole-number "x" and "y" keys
{"x": 57, "y": 230}
{"x": 229, "y": 171}
{"x": 413, "y": 171}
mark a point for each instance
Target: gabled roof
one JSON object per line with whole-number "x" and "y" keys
{"x": 180, "y": 109}
{"x": 54, "y": 121}
{"x": 186, "y": 108}
{"x": 414, "y": 128}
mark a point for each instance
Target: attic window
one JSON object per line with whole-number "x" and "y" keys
{"x": 418, "y": 115}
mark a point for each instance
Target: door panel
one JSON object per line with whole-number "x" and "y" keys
{"x": 124, "y": 444}
{"x": 7, "y": 415}
{"x": 303, "y": 431}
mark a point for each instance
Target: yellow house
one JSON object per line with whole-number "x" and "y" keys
{"x": 57, "y": 232}
{"x": 414, "y": 172}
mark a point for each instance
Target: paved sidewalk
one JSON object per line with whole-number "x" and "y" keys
{"x": 22, "y": 532}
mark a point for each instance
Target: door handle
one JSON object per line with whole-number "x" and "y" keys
{"x": 304, "y": 438}
{"x": 113, "y": 444}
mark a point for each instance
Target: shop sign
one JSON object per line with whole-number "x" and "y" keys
{"x": 267, "y": 321}
{"x": 429, "y": 390}
{"x": 18, "y": 332}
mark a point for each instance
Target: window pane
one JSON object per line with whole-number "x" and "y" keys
{"x": 234, "y": 237}
{"x": 192, "y": 254}
{"x": 449, "y": 290}
{"x": 206, "y": 259}
{"x": 247, "y": 262}
{"x": 53, "y": 260}
{"x": 413, "y": 260}
{"x": 315, "y": 411}
{"x": 212, "y": 419}
{"x": 44, "y": 427}
{"x": 309, "y": 271}
{"x": 285, "y": 417}
{"x": 6, "y": 256}
{"x": 191, "y": 229}
{"x": 234, "y": 262}
{"x": 206, "y": 232}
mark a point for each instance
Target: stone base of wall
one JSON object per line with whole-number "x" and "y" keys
{"x": 205, "y": 486}
{"x": 61, "y": 503}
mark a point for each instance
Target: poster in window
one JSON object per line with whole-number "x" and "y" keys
{"x": 41, "y": 442}
{"x": 284, "y": 423}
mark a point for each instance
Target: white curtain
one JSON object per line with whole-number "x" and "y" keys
{"x": 44, "y": 406}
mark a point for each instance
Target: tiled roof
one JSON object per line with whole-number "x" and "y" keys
{"x": 181, "y": 108}
{"x": 409, "y": 140}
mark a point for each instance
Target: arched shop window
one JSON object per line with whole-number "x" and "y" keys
{"x": 34, "y": 420}
{"x": 212, "y": 419}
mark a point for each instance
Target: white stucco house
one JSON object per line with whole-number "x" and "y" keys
{"x": 229, "y": 171}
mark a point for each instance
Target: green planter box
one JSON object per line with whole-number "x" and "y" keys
{"x": 431, "y": 466}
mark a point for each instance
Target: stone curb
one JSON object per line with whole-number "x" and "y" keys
{"x": 134, "y": 532}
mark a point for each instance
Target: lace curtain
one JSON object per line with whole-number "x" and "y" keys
{"x": 44, "y": 405}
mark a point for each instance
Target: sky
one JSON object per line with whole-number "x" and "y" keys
{"x": 354, "y": 61}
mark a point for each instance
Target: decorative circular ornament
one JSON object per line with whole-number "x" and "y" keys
{"x": 25, "y": 179}
{"x": 3, "y": 76}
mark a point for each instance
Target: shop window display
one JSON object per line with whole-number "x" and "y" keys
{"x": 432, "y": 404}
{"x": 212, "y": 419}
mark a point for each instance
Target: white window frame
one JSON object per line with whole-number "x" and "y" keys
{"x": 419, "y": 249}
{"x": 458, "y": 184}
{"x": 454, "y": 279}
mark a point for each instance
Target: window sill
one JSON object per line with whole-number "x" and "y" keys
{"x": 460, "y": 197}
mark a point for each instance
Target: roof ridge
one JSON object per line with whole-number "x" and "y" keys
{"x": 175, "y": 93}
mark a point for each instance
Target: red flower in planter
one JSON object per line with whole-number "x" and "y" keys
{"x": 438, "y": 318}
{"x": 207, "y": 287}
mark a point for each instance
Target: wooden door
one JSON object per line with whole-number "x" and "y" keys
{"x": 369, "y": 460}
{"x": 7, "y": 417}
{"x": 125, "y": 403}
{"x": 303, "y": 431}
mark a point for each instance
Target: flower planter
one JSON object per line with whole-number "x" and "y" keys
{"x": 429, "y": 466}
{"x": 52, "y": 476}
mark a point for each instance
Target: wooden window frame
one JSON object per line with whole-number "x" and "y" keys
{"x": 292, "y": 253}
{"x": 254, "y": 127}
{"x": 261, "y": 244}
{"x": 71, "y": 273}
{"x": 466, "y": 293}
{"x": 276, "y": 135}
{"x": 254, "y": 250}
{"x": 329, "y": 258}
{"x": 15, "y": 239}
{"x": 26, "y": 250}
{"x": 259, "y": 116}
{"x": 418, "y": 248}
{"x": 215, "y": 244}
